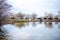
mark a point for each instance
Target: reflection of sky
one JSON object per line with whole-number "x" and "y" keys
{"x": 37, "y": 6}
{"x": 39, "y": 32}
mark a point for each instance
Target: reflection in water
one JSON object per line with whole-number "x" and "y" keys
{"x": 1, "y": 36}
{"x": 59, "y": 25}
{"x": 40, "y": 22}
{"x": 4, "y": 34}
{"x": 21, "y": 24}
{"x": 56, "y": 22}
{"x": 15, "y": 32}
{"x": 34, "y": 24}
{"x": 48, "y": 24}
{"x": 26, "y": 31}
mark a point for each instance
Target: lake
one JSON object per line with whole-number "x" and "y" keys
{"x": 31, "y": 31}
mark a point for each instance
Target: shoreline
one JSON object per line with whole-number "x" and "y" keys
{"x": 15, "y": 20}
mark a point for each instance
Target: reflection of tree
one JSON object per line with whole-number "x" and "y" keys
{"x": 4, "y": 35}
{"x": 34, "y": 24}
{"x": 56, "y": 22}
{"x": 21, "y": 24}
{"x": 59, "y": 25}
{"x": 48, "y": 24}
{"x": 40, "y": 22}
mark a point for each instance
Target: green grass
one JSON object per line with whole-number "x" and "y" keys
{"x": 19, "y": 20}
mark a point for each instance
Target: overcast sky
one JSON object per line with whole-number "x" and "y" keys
{"x": 35, "y": 6}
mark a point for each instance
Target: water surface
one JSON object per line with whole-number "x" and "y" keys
{"x": 31, "y": 31}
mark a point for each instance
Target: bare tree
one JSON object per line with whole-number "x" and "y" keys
{"x": 4, "y": 8}
{"x": 59, "y": 12}
{"x": 59, "y": 15}
{"x": 34, "y": 15}
{"x": 20, "y": 15}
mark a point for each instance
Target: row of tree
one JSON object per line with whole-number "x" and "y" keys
{"x": 21, "y": 15}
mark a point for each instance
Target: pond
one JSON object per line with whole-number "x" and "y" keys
{"x": 31, "y": 31}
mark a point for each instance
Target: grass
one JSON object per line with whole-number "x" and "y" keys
{"x": 18, "y": 20}
{"x": 27, "y": 20}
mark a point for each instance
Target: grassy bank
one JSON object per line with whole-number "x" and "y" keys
{"x": 33, "y": 20}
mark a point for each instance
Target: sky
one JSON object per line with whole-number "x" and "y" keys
{"x": 35, "y": 6}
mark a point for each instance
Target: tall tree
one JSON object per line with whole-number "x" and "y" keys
{"x": 4, "y": 8}
{"x": 59, "y": 13}
{"x": 20, "y": 15}
{"x": 34, "y": 15}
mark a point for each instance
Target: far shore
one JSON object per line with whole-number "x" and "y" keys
{"x": 33, "y": 20}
